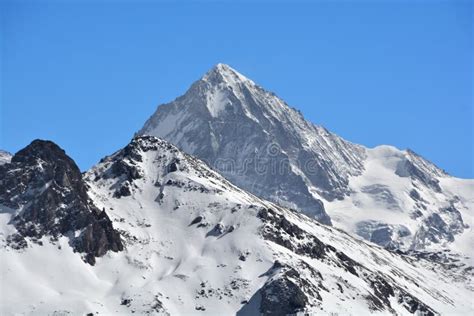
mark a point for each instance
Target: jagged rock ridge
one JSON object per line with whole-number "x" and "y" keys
{"x": 43, "y": 189}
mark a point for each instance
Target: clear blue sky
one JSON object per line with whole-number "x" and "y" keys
{"x": 87, "y": 75}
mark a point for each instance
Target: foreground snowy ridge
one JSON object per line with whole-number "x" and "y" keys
{"x": 196, "y": 244}
{"x": 394, "y": 198}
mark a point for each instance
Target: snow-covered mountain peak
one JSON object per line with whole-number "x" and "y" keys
{"x": 227, "y": 93}
{"x": 255, "y": 140}
{"x": 222, "y": 73}
{"x": 226, "y": 118}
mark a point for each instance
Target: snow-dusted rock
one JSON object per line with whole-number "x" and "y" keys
{"x": 5, "y": 157}
{"x": 42, "y": 195}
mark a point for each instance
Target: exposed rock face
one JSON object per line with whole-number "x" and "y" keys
{"x": 43, "y": 189}
{"x": 420, "y": 170}
{"x": 281, "y": 295}
{"x": 286, "y": 234}
{"x": 289, "y": 291}
{"x": 440, "y": 227}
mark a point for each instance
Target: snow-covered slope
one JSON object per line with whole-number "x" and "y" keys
{"x": 5, "y": 157}
{"x": 392, "y": 197}
{"x": 196, "y": 244}
{"x": 403, "y": 202}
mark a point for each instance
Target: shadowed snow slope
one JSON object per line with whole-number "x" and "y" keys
{"x": 394, "y": 198}
{"x": 195, "y": 243}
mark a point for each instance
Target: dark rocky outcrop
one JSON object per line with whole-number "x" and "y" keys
{"x": 123, "y": 190}
{"x": 413, "y": 305}
{"x": 196, "y": 220}
{"x": 382, "y": 292}
{"x": 121, "y": 168}
{"x": 289, "y": 290}
{"x": 415, "y": 195}
{"x": 173, "y": 166}
{"x": 281, "y": 231}
{"x": 281, "y": 294}
{"x": 46, "y": 186}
